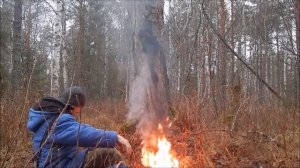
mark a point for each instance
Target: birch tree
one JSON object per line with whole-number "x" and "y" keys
{"x": 56, "y": 48}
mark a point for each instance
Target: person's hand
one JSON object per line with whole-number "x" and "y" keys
{"x": 122, "y": 141}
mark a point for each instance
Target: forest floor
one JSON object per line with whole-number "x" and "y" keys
{"x": 270, "y": 139}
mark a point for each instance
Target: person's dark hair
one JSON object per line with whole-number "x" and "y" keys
{"x": 73, "y": 96}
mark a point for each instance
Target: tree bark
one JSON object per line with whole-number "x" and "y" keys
{"x": 63, "y": 80}
{"x": 222, "y": 56}
{"x": 141, "y": 13}
{"x": 298, "y": 49}
{"x": 79, "y": 61}
{"x": 17, "y": 47}
{"x": 232, "y": 40}
{"x": 148, "y": 91}
{"x": 28, "y": 27}
{"x": 1, "y": 70}
{"x": 27, "y": 51}
{"x": 56, "y": 49}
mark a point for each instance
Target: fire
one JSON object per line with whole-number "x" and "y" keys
{"x": 160, "y": 158}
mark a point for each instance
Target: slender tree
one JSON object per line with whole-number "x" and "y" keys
{"x": 232, "y": 38}
{"x": 56, "y": 48}
{"x": 1, "y": 78}
{"x": 63, "y": 52}
{"x": 298, "y": 49}
{"x": 17, "y": 47}
{"x": 79, "y": 56}
{"x": 27, "y": 54}
{"x": 222, "y": 55}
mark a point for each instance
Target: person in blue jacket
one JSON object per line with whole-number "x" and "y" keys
{"x": 59, "y": 140}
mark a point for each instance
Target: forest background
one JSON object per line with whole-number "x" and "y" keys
{"x": 232, "y": 73}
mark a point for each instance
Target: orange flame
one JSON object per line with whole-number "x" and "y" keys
{"x": 162, "y": 157}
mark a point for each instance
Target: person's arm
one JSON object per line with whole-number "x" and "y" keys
{"x": 69, "y": 132}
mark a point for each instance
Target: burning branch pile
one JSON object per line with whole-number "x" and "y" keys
{"x": 156, "y": 151}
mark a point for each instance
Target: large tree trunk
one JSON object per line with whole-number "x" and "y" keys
{"x": 135, "y": 10}
{"x": 143, "y": 14}
{"x": 17, "y": 47}
{"x": 148, "y": 96}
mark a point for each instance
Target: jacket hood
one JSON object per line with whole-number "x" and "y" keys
{"x": 51, "y": 104}
{"x": 43, "y": 110}
{"x": 38, "y": 118}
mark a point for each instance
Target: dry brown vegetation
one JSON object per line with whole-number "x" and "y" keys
{"x": 266, "y": 135}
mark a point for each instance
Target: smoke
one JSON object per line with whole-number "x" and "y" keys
{"x": 148, "y": 102}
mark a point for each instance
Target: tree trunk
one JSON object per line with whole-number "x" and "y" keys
{"x": 28, "y": 27}
{"x": 222, "y": 57}
{"x": 212, "y": 73}
{"x": 135, "y": 10}
{"x": 1, "y": 70}
{"x": 17, "y": 47}
{"x": 142, "y": 13}
{"x": 56, "y": 49}
{"x": 232, "y": 40}
{"x": 298, "y": 49}
{"x": 79, "y": 61}
{"x": 148, "y": 91}
{"x": 27, "y": 51}
{"x": 63, "y": 80}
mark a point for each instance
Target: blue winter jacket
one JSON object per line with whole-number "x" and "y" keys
{"x": 62, "y": 146}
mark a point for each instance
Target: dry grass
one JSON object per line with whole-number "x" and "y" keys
{"x": 265, "y": 136}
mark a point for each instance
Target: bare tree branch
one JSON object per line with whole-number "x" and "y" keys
{"x": 51, "y": 7}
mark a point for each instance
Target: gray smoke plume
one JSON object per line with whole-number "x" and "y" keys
{"x": 148, "y": 102}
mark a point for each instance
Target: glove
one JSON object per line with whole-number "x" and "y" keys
{"x": 122, "y": 141}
